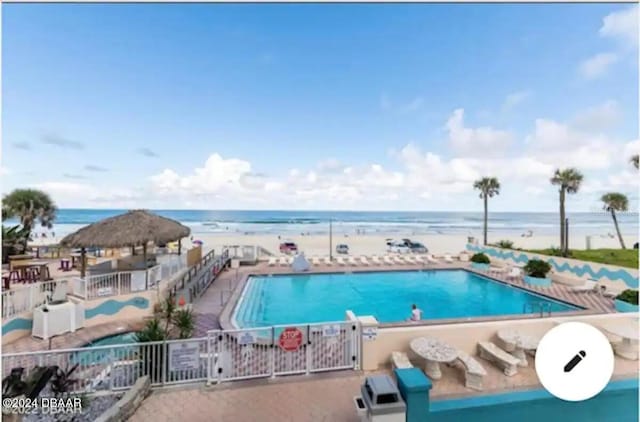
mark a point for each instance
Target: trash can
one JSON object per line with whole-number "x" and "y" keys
{"x": 381, "y": 399}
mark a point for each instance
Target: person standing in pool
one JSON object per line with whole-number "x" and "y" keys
{"x": 416, "y": 314}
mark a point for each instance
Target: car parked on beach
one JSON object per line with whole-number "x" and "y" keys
{"x": 417, "y": 247}
{"x": 288, "y": 247}
{"x": 397, "y": 247}
{"x": 342, "y": 249}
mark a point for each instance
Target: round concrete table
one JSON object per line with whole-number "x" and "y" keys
{"x": 628, "y": 332}
{"x": 434, "y": 352}
{"x": 517, "y": 343}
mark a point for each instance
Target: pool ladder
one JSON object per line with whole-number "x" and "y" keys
{"x": 541, "y": 306}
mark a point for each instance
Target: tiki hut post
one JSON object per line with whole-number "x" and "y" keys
{"x": 146, "y": 270}
{"x": 83, "y": 262}
{"x": 179, "y": 246}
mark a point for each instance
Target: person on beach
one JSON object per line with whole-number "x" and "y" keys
{"x": 416, "y": 314}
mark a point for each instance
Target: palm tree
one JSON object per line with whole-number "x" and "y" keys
{"x": 569, "y": 181}
{"x": 614, "y": 201}
{"x": 30, "y": 206}
{"x": 488, "y": 187}
{"x": 634, "y": 160}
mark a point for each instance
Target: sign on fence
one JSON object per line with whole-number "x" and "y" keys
{"x": 330, "y": 330}
{"x": 290, "y": 339}
{"x": 247, "y": 338}
{"x": 184, "y": 356}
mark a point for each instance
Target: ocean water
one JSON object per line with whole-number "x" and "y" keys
{"x": 353, "y": 222}
{"x": 288, "y": 299}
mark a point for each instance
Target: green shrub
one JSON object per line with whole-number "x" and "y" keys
{"x": 537, "y": 268}
{"x": 505, "y": 244}
{"x": 480, "y": 258}
{"x": 629, "y": 296}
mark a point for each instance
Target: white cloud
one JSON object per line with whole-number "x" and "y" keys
{"x": 514, "y": 99}
{"x": 622, "y": 25}
{"x": 598, "y": 118}
{"x": 482, "y": 141}
{"x": 4, "y": 171}
{"x": 597, "y": 65}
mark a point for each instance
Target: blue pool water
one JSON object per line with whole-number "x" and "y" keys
{"x": 388, "y": 296}
{"x": 99, "y": 355}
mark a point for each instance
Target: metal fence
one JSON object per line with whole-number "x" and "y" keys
{"x": 221, "y": 356}
{"x": 28, "y": 297}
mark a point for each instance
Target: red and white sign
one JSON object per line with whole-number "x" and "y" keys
{"x": 290, "y": 339}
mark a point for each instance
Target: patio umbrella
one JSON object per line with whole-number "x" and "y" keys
{"x": 133, "y": 228}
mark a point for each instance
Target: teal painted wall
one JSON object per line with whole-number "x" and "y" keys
{"x": 108, "y": 307}
{"x": 112, "y": 307}
{"x": 578, "y": 270}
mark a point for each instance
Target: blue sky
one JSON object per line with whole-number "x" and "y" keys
{"x": 381, "y": 107}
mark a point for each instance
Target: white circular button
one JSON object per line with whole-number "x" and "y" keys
{"x": 574, "y": 361}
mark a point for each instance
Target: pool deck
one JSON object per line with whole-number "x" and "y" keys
{"x": 322, "y": 397}
{"x": 593, "y": 303}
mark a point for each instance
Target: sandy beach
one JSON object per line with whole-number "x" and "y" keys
{"x": 376, "y": 245}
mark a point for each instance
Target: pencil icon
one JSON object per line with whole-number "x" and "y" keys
{"x": 574, "y": 361}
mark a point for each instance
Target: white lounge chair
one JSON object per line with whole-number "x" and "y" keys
{"x": 315, "y": 261}
{"x": 515, "y": 273}
{"x": 473, "y": 371}
{"x": 410, "y": 259}
{"x": 364, "y": 261}
{"x": 375, "y": 260}
{"x": 272, "y": 261}
{"x": 448, "y": 259}
{"x": 282, "y": 261}
{"x": 400, "y": 360}
{"x": 387, "y": 260}
{"x": 327, "y": 261}
{"x": 398, "y": 259}
{"x": 352, "y": 261}
{"x": 419, "y": 259}
{"x": 290, "y": 260}
{"x": 340, "y": 261}
{"x": 431, "y": 259}
{"x": 492, "y": 353}
{"x": 587, "y": 286}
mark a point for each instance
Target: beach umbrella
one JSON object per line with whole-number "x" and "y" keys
{"x": 133, "y": 228}
{"x": 198, "y": 242}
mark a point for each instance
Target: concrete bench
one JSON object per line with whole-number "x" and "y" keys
{"x": 400, "y": 360}
{"x": 492, "y": 353}
{"x": 474, "y": 372}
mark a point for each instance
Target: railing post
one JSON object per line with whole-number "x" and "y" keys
{"x": 308, "y": 350}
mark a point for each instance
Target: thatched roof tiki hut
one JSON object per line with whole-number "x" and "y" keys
{"x": 134, "y": 228}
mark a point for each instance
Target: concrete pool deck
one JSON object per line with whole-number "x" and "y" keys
{"x": 325, "y": 397}
{"x": 593, "y": 303}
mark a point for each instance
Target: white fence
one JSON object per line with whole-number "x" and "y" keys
{"x": 114, "y": 284}
{"x": 219, "y": 357}
{"x": 23, "y": 299}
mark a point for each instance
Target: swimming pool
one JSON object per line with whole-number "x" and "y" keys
{"x": 100, "y": 355}
{"x": 287, "y": 299}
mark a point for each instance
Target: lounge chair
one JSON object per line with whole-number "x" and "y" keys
{"x": 492, "y": 353}
{"x": 587, "y": 286}
{"x": 352, "y": 261}
{"x": 473, "y": 371}
{"x": 419, "y": 259}
{"x": 387, "y": 260}
{"x": 375, "y": 260}
{"x": 400, "y": 360}
{"x": 448, "y": 259}
{"x": 398, "y": 259}
{"x": 410, "y": 259}
{"x": 290, "y": 260}
{"x": 327, "y": 261}
{"x": 364, "y": 261}
{"x": 272, "y": 261}
{"x": 315, "y": 261}
{"x": 282, "y": 261}
{"x": 515, "y": 273}
{"x": 340, "y": 261}
{"x": 432, "y": 260}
